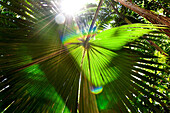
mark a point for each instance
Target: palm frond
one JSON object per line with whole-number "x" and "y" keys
{"x": 47, "y": 67}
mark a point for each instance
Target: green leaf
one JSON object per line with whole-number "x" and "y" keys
{"x": 117, "y": 37}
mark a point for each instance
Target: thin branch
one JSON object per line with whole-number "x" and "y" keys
{"x": 156, "y": 46}
{"x": 121, "y": 15}
{"x": 94, "y": 20}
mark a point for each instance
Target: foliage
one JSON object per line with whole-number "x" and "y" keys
{"x": 47, "y": 67}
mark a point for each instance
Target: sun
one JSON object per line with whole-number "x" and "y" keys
{"x": 72, "y": 7}
{"x": 69, "y": 8}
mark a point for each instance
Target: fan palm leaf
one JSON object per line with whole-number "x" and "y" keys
{"x": 45, "y": 70}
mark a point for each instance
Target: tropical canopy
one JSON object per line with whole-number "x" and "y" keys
{"x": 80, "y": 56}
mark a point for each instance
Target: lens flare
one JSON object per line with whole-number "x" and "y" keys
{"x": 96, "y": 90}
{"x": 60, "y": 19}
{"x": 76, "y": 38}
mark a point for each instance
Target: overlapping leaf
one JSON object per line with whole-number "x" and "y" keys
{"x": 39, "y": 74}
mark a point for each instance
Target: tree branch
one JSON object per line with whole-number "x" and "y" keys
{"x": 94, "y": 20}
{"x": 129, "y": 22}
